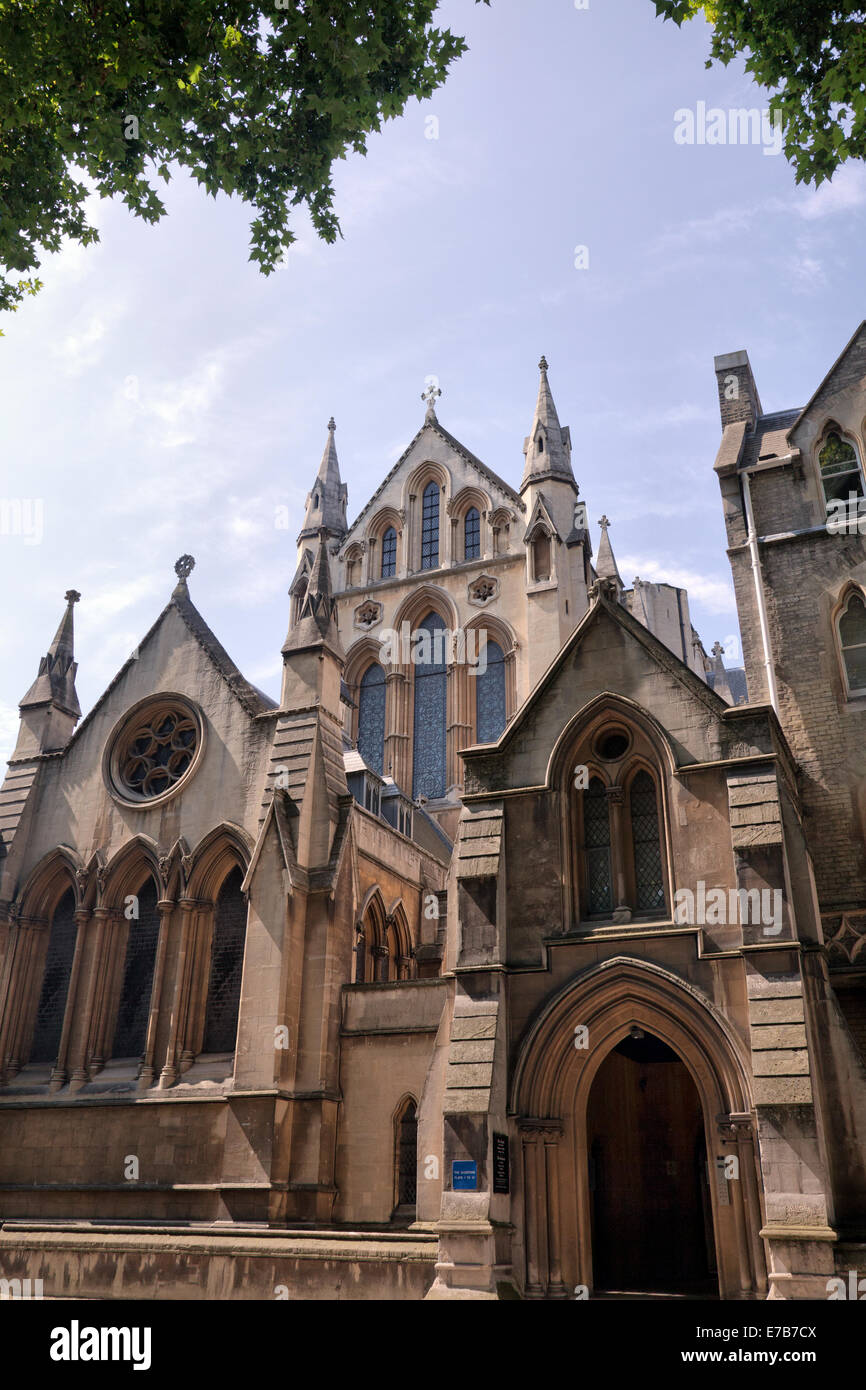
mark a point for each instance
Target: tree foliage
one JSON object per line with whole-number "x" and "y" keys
{"x": 811, "y": 57}
{"x": 254, "y": 101}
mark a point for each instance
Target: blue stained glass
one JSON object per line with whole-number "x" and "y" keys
{"x": 429, "y": 730}
{"x": 371, "y": 717}
{"x": 490, "y": 696}
{"x": 389, "y": 553}
{"x": 472, "y": 534}
{"x": 430, "y": 528}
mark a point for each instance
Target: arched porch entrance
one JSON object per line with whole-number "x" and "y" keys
{"x": 624, "y": 1184}
{"x": 652, "y": 1224}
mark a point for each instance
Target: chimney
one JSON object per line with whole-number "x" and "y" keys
{"x": 738, "y": 394}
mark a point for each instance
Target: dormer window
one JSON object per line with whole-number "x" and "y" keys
{"x": 541, "y": 444}
{"x": 316, "y": 501}
{"x": 841, "y": 473}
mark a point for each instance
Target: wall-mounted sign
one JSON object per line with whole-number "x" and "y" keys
{"x": 500, "y": 1163}
{"x": 464, "y": 1175}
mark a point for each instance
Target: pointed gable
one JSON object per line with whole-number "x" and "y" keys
{"x": 433, "y": 432}
{"x": 611, "y": 654}
{"x": 847, "y": 374}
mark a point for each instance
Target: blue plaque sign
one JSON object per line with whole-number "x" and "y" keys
{"x": 464, "y": 1175}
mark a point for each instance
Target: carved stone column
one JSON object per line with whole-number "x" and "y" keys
{"x": 59, "y": 1073}
{"x": 145, "y": 1076}
{"x": 556, "y": 1288}
{"x": 109, "y": 974}
{"x": 397, "y": 687}
{"x": 738, "y": 1129}
{"x": 81, "y": 1074}
{"x": 531, "y": 1178}
{"x": 615, "y": 801}
{"x": 380, "y": 964}
{"x": 169, "y": 1073}
{"x": 20, "y": 990}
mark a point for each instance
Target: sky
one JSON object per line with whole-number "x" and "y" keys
{"x": 161, "y": 397}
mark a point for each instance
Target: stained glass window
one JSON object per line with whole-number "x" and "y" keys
{"x": 472, "y": 534}
{"x": 371, "y": 717}
{"x": 840, "y": 469}
{"x": 430, "y": 528}
{"x": 852, "y": 636}
{"x": 429, "y": 736}
{"x": 490, "y": 696}
{"x": 130, "y": 1034}
{"x": 407, "y": 1154}
{"x": 389, "y": 553}
{"x": 645, "y": 839}
{"x": 55, "y": 983}
{"x": 227, "y": 961}
{"x": 596, "y": 838}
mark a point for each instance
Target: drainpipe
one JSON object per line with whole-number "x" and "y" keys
{"x": 759, "y": 584}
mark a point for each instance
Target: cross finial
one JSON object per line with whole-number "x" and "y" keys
{"x": 331, "y": 425}
{"x": 431, "y": 395}
{"x": 542, "y": 366}
{"x": 718, "y": 650}
{"x": 72, "y": 596}
{"x": 603, "y": 522}
{"x": 184, "y": 567}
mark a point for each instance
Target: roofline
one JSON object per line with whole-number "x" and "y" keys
{"x": 698, "y": 687}
{"x": 246, "y": 693}
{"x": 826, "y": 377}
{"x": 461, "y": 449}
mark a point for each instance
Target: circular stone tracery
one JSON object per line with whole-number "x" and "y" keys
{"x": 154, "y": 749}
{"x": 158, "y": 754}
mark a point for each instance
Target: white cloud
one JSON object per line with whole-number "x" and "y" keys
{"x": 715, "y": 594}
{"x": 846, "y": 190}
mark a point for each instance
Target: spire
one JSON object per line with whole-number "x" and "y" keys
{"x": 326, "y": 504}
{"x": 605, "y": 566}
{"x": 55, "y": 680}
{"x": 548, "y": 445}
{"x": 316, "y": 625}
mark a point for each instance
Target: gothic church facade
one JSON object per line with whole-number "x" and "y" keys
{"x": 516, "y": 950}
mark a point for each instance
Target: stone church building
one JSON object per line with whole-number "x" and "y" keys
{"x": 518, "y": 950}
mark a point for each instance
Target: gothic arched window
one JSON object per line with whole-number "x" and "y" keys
{"x": 596, "y": 845}
{"x": 840, "y": 468}
{"x": 429, "y": 725}
{"x": 226, "y": 966}
{"x": 472, "y": 534}
{"x": 490, "y": 696}
{"x": 646, "y": 845}
{"x": 371, "y": 717}
{"x": 389, "y": 553}
{"x": 130, "y": 1033}
{"x": 852, "y": 642}
{"x": 430, "y": 527}
{"x": 406, "y": 1153}
{"x": 55, "y": 982}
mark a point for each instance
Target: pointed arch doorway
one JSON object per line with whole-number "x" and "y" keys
{"x": 600, "y": 1154}
{"x": 651, "y": 1210}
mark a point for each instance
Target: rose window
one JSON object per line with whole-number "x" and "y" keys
{"x": 154, "y": 749}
